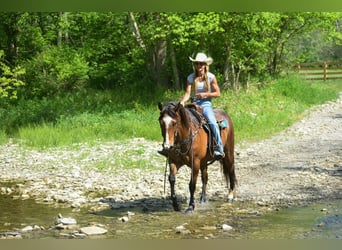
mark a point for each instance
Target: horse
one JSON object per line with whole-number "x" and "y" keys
{"x": 187, "y": 141}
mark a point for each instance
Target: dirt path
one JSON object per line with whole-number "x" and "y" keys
{"x": 300, "y": 164}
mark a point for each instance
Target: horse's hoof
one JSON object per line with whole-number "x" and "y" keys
{"x": 203, "y": 200}
{"x": 230, "y": 198}
{"x": 189, "y": 210}
{"x": 177, "y": 208}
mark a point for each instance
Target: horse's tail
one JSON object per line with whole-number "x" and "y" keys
{"x": 228, "y": 162}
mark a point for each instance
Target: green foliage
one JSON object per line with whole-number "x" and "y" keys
{"x": 3, "y": 137}
{"x": 64, "y": 51}
{"x": 88, "y": 127}
{"x": 307, "y": 94}
{"x": 55, "y": 71}
{"x": 87, "y": 113}
{"x": 99, "y": 116}
{"x": 9, "y": 79}
{"x": 88, "y": 76}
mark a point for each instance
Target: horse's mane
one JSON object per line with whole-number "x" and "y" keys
{"x": 186, "y": 115}
{"x": 169, "y": 108}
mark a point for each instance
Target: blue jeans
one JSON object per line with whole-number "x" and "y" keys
{"x": 209, "y": 114}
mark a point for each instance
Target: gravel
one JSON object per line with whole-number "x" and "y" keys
{"x": 300, "y": 164}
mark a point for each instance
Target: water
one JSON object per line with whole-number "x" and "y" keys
{"x": 321, "y": 220}
{"x": 249, "y": 221}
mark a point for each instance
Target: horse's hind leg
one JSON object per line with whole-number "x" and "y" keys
{"x": 204, "y": 174}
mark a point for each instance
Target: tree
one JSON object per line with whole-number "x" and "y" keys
{"x": 66, "y": 51}
{"x": 9, "y": 79}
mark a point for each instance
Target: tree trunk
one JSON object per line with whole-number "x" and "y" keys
{"x": 12, "y": 34}
{"x": 159, "y": 59}
{"x": 174, "y": 67}
{"x": 60, "y": 32}
{"x": 136, "y": 31}
{"x": 226, "y": 72}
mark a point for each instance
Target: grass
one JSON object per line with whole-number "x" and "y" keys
{"x": 264, "y": 110}
{"x": 257, "y": 113}
{"x": 90, "y": 128}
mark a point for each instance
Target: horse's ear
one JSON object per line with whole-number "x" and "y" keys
{"x": 160, "y": 106}
{"x": 178, "y": 106}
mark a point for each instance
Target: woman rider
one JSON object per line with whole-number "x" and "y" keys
{"x": 201, "y": 88}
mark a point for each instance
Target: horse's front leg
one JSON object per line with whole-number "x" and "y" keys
{"x": 192, "y": 188}
{"x": 172, "y": 180}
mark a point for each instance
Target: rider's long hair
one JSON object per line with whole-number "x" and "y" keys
{"x": 206, "y": 79}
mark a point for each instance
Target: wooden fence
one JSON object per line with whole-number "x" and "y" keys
{"x": 320, "y": 70}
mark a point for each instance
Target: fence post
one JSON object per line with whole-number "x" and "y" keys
{"x": 325, "y": 67}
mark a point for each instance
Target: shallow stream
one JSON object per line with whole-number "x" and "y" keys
{"x": 247, "y": 219}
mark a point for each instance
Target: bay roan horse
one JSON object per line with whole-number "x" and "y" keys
{"x": 187, "y": 142}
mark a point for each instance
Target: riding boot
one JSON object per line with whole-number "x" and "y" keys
{"x": 163, "y": 152}
{"x": 218, "y": 153}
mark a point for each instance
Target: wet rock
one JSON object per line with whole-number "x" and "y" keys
{"x": 180, "y": 228}
{"x": 79, "y": 235}
{"x": 183, "y": 231}
{"x": 27, "y": 229}
{"x": 93, "y": 230}
{"x": 64, "y": 222}
{"x": 124, "y": 219}
{"x": 129, "y": 213}
{"x": 226, "y": 227}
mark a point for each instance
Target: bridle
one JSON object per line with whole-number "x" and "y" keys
{"x": 188, "y": 142}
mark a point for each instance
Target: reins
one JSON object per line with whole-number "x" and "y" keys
{"x": 165, "y": 172}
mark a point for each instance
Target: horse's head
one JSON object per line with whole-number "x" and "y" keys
{"x": 170, "y": 119}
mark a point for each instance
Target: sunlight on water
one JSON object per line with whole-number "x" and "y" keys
{"x": 320, "y": 220}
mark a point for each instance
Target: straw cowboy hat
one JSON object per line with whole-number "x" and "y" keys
{"x": 201, "y": 57}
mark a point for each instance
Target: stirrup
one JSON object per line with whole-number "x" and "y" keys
{"x": 218, "y": 155}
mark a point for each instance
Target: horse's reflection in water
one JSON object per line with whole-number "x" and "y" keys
{"x": 188, "y": 142}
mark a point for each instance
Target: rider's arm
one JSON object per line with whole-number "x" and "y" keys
{"x": 215, "y": 91}
{"x": 187, "y": 94}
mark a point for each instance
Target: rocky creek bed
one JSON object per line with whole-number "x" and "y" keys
{"x": 300, "y": 165}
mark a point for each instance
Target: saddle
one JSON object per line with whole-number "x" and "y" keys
{"x": 197, "y": 112}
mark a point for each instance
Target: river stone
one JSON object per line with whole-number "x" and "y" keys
{"x": 226, "y": 227}
{"x": 27, "y": 229}
{"x": 124, "y": 219}
{"x": 66, "y": 221}
{"x": 93, "y": 230}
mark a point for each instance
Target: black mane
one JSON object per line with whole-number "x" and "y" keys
{"x": 186, "y": 114}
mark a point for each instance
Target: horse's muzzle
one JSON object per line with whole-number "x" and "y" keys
{"x": 167, "y": 146}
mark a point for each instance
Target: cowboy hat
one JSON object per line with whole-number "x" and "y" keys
{"x": 201, "y": 57}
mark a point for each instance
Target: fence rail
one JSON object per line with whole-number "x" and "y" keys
{"x": 320, "y": 70}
